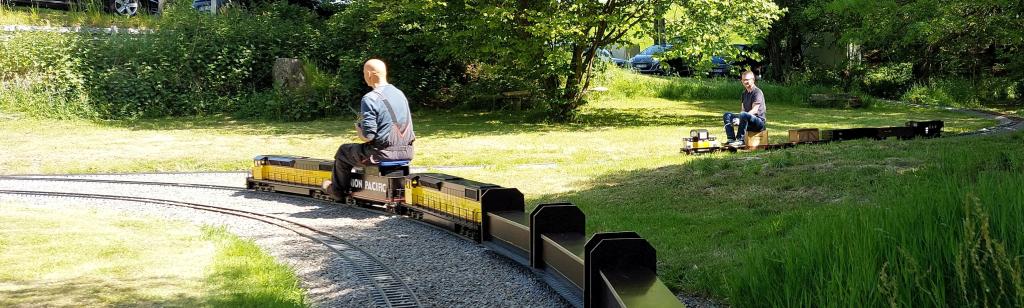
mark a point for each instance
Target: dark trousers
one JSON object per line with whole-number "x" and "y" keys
{"x": 349, "y": 155}
{"x": 748, "y": 122}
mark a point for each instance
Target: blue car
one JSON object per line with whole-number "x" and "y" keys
{"x": 719, "y": 67}
{"x": 722, "y": 68}
{"x": 646, "y": 62}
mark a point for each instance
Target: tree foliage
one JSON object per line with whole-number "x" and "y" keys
{"x": 942, "y": 39}
{"x": 545, "y": 46}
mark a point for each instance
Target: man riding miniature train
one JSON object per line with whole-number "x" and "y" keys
{"x": 384, "y": 126}
{"x": 752, "y": 107}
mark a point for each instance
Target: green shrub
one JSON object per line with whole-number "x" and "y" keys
{"x": 889, "y": 80}
{"x": 966, "y": 93}
{"x": 41, "y": 77}
{"x": 374, "y": 29}
{"x": 194, "y": 63}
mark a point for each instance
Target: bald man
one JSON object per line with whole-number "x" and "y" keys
{"x": 384, "y": 126}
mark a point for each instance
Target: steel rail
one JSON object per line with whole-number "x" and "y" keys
{"x": 52, "y": 178}
{"x": 391, "y": 289}
{"x": 204, "y": 186}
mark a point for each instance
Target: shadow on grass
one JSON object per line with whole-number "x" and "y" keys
{"x": 88, "y": 291}
{"x": 454, "y": 124}
{"x": 640, "y": 117}
{"x": 428, "y": 123}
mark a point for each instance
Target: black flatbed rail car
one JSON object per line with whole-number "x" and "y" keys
{"x": 615, "y": 269}
{"x": 911, "y": 130}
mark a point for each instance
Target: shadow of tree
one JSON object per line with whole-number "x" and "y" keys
{"x": 455, "y": 124}
{"x": 639, "y": 117}
{"x": 437, "y": 124}
{"x": 90, "y": 291}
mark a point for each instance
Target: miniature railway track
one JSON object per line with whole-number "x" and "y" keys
{"x": 390, "y": 289}
{"x": 102, "y": 181}
{"x": 190, "y": 185}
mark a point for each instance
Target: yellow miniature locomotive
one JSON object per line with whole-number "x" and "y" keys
{"x": 700, "y": 141}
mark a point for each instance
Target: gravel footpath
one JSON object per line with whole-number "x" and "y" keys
{"x": 442, "y": 269}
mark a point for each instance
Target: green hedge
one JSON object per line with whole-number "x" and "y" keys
{"x": 193, "y": 63}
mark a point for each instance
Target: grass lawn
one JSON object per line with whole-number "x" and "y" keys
{"x": 620, "y": 163}
{"x": 75, "y": 257}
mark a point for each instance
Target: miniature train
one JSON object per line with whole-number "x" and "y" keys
{"x": 701, "y": 141}
{"x": 615, "y": 269}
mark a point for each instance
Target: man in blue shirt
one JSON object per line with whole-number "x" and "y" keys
{"x": 384, "y": 126}
{"x": 752, "y": 112}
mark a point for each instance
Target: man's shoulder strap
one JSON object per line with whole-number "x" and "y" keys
{"x": 391, "y": 111}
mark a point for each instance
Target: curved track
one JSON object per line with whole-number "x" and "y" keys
{"x": 390, "y": 289}
{"x": 66, "y": 179}
{"x": 50, "y": 178}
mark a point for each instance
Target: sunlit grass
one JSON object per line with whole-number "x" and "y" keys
{"x": 83, "y": 16}
{"x": 242, "y": 275}
{"x": 75, "y": 257}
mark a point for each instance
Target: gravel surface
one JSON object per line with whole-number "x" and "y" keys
{"x": 442, "y": 269}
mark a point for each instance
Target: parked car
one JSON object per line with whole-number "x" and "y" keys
{"x": 722, "y": 68}
{"x": 119, "y": 7}
{"x": 719, "y": 67}
{"x": 606, "y": 55}
{"x": 647, "y": 62}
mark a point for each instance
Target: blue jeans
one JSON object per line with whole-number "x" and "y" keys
{"x": 748, "y": 122}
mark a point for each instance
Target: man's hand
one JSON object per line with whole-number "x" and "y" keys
{"x": 735, "y": 121}
{"x": 359, "y": 133}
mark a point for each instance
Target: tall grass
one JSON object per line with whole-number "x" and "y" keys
{"x": 626, "y": 84}
{"x": 967, "y": 93}
{"x": 85, "y": 14}
{"x": 730, "y": 89}
{"x": 949, "y": 235}
{"x": 623, "y": 83}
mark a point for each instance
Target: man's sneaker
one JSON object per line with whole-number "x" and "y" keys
{"x": 729, "y": 141}
{"x": 329, "y": 189}
{"x": 736, "y": 143}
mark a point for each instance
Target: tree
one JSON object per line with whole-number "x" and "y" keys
{"x": 544, "y": 44}
{"x": 978, "y": 40}
{"x": 700, "y": 29}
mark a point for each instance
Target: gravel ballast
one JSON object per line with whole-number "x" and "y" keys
{"x": 442, "y": 269}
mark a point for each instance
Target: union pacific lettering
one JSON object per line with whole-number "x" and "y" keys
{"x": 374, "y": 186}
